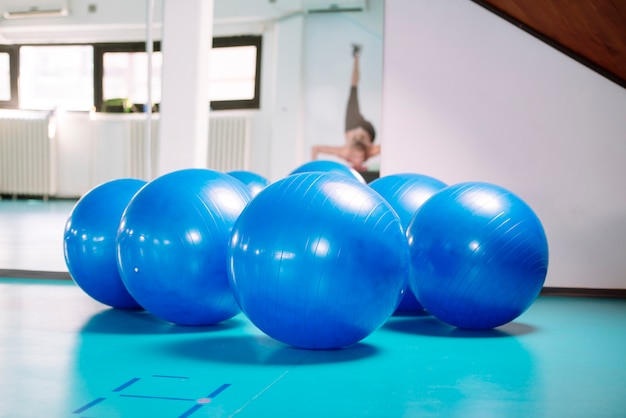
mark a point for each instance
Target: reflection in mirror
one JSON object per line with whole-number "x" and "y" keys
{"x": 343, "y": 87}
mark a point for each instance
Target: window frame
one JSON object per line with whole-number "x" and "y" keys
{"x": 100, "y": 48}
{"x": 234, "y": 41}
{"x": 14, "y": 69}
{"x": 218, "y": 42}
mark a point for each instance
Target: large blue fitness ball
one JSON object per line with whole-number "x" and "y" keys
{"x": 255, "y": 182}
{"x": 406, "y": 192}
{"x": 172, "y": 241}
{"x": 89, "y": 242}
{"x": 479, "y": 255}
{"x": 318, "y": 260}
{"x": 327, "y": 166}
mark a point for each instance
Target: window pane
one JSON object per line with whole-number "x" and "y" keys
{"x": 232, "y": 72}
{"x": 5, "y": 77}
{"x": 126, "y": 76}
{"x": 56, "y": 76}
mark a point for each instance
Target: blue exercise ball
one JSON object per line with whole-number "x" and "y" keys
{"x": 406, "y": 192}
{"x": 89, "y": 242}
{"x": 172, "y": 241}
{"x": 479, "y": 255}
{"x": 318, "y": 260}
{"x": 327, "y": 166}
{"x": 255, "y": 182}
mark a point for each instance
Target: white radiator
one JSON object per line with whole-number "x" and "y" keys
{"x": 138, "y": 148}
{"x": 229, "y": 143}
{"x": 117, "y": 148}
{"x": 27, "y": 155}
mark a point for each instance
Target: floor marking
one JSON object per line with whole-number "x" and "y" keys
{"x": 218, "y": 390}
{"x": 158, "y": 397}
{"x": 127, "y": 384}
{"x": 190, "y": 411}
{"x": 89, "y": 405}
{"x": 203, "y": 401}
{"x": 199, "y": 403}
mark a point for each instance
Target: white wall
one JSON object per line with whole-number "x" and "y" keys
{"x": 112, "y": 21}
{"x": 469, "y": 97}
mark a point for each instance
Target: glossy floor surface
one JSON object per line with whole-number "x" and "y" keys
{"x": 63, "y": 354}
{"x": 31, "y": 236}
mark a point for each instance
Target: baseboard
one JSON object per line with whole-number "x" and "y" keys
{"x": 33, "y": 274}
{"x": 584, "y": 292}
{"x": 546, "y": 291}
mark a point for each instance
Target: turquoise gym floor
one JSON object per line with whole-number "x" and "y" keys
{"x": 64, "y": 355}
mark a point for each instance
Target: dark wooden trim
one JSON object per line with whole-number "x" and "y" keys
{"x": 584, "y": 292}
{"x": 563, "y": 49}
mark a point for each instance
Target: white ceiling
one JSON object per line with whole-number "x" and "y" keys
{"x": 91, "y": 19}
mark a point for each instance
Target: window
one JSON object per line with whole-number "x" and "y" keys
{"x": 121, "y": 72}
{"x": 126, "y": 75}
{"x": 52, "y": 76}
{"x": 85, "y": 76}
{"x": 231, "y": 73}
{"x": 8, "y": 76}
{"x": 235, "y": 73}
{"x": 5, "y": 77}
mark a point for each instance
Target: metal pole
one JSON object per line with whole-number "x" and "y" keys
{"x": 148, "y": 108}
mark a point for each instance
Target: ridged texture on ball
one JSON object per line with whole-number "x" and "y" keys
{"x": 172, "y": 241}
{"x": 318, "y": 260}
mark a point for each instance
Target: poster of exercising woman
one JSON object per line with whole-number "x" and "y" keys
{"x": 343, "y": 88}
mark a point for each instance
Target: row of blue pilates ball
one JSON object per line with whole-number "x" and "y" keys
{"x": 317, "y": 260}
